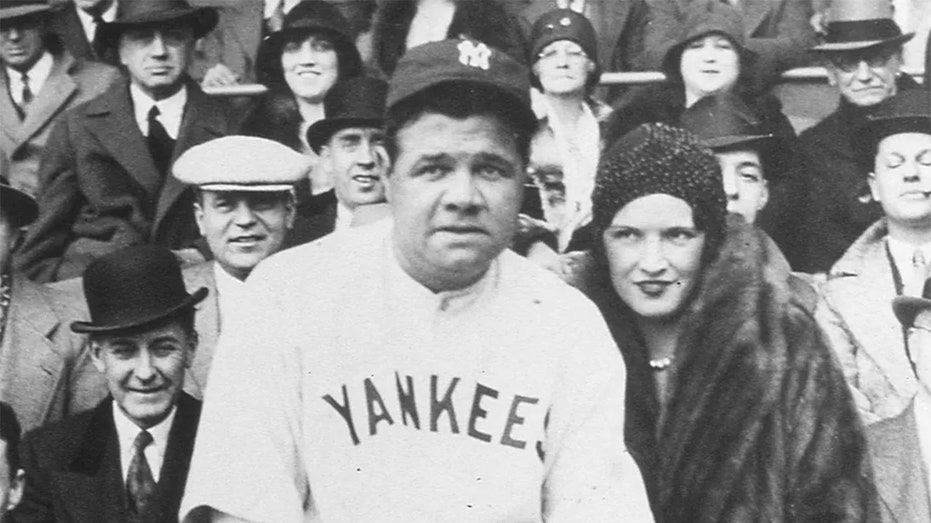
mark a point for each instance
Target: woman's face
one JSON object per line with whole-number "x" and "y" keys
{"x": 563, "y": 68}
{"x": 709, "y": 65}
{"x": 654, "y": 255}
{"x": 310, "y": 67}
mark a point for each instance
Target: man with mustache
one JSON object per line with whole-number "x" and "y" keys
{"x": 104, "y": 182}
{"x": 415, "y": 369}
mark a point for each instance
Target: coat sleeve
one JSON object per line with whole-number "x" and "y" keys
{"x": 59, "y": 199}
{"x": 36, "y": 504}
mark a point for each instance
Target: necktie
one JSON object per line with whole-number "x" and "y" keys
{"x": 139, "y": 482}
{"x": 26, "y": 95}
{"x": 160, "y": 144}
{"x": 97, "y": 44}
{"x": 919, "y": 274}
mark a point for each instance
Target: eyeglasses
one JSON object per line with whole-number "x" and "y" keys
{"x": 849, "y": 62}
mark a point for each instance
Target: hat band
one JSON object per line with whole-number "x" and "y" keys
{"x": 862, "y": 31}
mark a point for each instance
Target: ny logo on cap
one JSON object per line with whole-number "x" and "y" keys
{"x": 474, "y": 55}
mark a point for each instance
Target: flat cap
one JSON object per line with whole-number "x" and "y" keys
{"x": 241, "y": 163}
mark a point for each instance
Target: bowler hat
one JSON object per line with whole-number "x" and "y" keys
{"x": 357, "y": 102}
{"x": 907, "y": 307}
{"x": 702, "y": 18}
{"x": 909, "y": 111}
{"x": 142, "y": 12}
{"x": 19, "y": 207}
{"x": 134, "y": 287}
{"x": 10, "y": 9}
{"x": 860, "y": 24}
{"x": 307, "y": 17}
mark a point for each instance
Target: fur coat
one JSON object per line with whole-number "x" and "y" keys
{"x": 484, "y": 20}
{"x": 759, "y": 425}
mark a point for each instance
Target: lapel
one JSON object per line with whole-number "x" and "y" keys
{"x": 201, "y": 122}
{"x": 173, "y": 475}
{"x": 863, "y": 276}
{"x": 207, "y": 325}
{"x": 110, "y": 118}
{"x": 28, "y": 348}
{"x": 902, "y": 486}
{"x": 92, "y": 486}
{"x": 55, "y": 94}
{"x": 9, "y": 113}
{"x": 754, "y": 12}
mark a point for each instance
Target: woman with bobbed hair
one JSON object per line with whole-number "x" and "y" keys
{"x": 567, "y": 143}
{"x": 736, "y": 408}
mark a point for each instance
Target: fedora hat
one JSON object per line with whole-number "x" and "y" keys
{"x": 860, "y": 24}
{"x": 909, "y": 111}
{"x": 307, "y": 17}
{"x": 19, "y": 207}
{"x": 357, "y": 102}
{"x": 907, "y": 307}
{"x": 702, "y": 18}
{"x": 134, "y": 287}
{"x": 142, "y": 12}
{"x": 722, "y": 121}
{"x": 10, "y": 9}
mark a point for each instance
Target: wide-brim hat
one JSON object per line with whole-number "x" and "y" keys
{"x": 307, "y": 17}
{"x": 18, "y": 206}
{"x": 356, "y": 102}
{"x": 860, "y": 24}
{"x": 909, "y": 111}
{"x": 10, "y": 9}
{"x": 134, "y": 287}
{"x": 907, "y": 307}
{"x": 145, "y": 12}
{"x": 704, "y": 18}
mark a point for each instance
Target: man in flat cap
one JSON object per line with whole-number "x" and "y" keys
{"x": 127, "y": 459}
{"x": 415, "y": 369}
{"x": 39, "y": 81}
{"x": 105, "y": 182}
{"x": 244, "y": 208}
{"x": 45, "y": 372}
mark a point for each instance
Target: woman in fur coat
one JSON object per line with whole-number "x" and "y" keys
{"x": 736, "y": 409}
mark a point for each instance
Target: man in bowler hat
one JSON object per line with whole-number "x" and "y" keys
{"x": 105, "y": 182}
{"x": 127, "y": 459}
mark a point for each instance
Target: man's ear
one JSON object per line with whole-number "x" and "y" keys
{"x": 831, "y": 71}
{"x": 871, "y": 180}
{"x": 17, "y": 486}
{"x": 95, "y": 350}
{"x": 764, "y": 196}
{"x": 291, "y": 207}
{"x": 199, "y": 216}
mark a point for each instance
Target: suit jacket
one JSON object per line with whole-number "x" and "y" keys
{"x": 73, "y": 469}
{"x": 69, "y": 84}
{"x": 64, "y": 23}
{"x": 45, "y": 373}
{"x": 234, "y": 42}
{"x": 206, "y": 323}
{"x": 99, "y": 189}
{"x": 856, "y": 314}
{"x": 900, "y": 472}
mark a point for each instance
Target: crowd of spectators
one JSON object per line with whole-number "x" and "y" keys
{"x": 427, "y": 267}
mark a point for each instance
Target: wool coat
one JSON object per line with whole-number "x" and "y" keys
{"x": 70, "y": 83}
{"x": 856, "y": 314}
{"x": 901, "y": 472}
{"x": 99, "y": 189}
{"x": 73, "y": 471}
{"x": 759, "y": 424}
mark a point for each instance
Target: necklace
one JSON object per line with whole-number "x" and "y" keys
{"x": 661, "y": 364}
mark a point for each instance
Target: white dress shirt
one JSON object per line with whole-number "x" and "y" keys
{"x": 126, "y": 432}
{"x": 87, "y": 21}
{"x": 343, "y": 217}
{"x": 231, "y": 294}
{"x": 38, "y": 74}
{"x": 902, "y": 255}
{"x": 171, "y": 110}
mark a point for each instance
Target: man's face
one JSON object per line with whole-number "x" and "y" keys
{"x": 865, "y": 77}
{"x": 22, "y": 41}
{"x": 744, "y": 184}
{"x": 157, "y": 55}
{"x": 356, "y": 156}
{"x": 243, "y": 228}
{"x": 919, "y": 347}
{"x": 8, "y": 235}
{"x": 901, "y": 179}
{"x": 455, "y": 192}
{"x": 145, "y": 369}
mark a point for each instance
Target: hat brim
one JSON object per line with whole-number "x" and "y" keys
{"x": 722, "y": 142}
{"x": 238, "y": 187}
{"x": 18, "y": 205}
{"x": 907, "y": 307}
{"x": 87, "y": 327}
{"x": 863, "y": 44}
{"x": 350, "y": 60}
{"x": 8, "y": 13}
{"x": 205, "y": 20}
{"x": 322, "y": 130}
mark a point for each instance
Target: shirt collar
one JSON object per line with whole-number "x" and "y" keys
{"x": 903, "y": 252}
{"x": 38, "y": 73}
{"x": 127, "y": 430}
{"x": 343, "y": 216}
{"x": 171, "y": 109}
{"x": 230, "y": 293}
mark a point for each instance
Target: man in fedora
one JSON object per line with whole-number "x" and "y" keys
{"x": 891, "y": 258}
{"x": 45, "y": 373}
{"x": 39, "y": 81}
{"x": 416, "y": 369}
{"x": 127, "y": 459}
{"x": 863, "y": 54}
{"x": 351, "y": 144}
{"x": 105, "y": 182}
{"x": 901, "y": 446}
{"x": 244, "y": 207}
